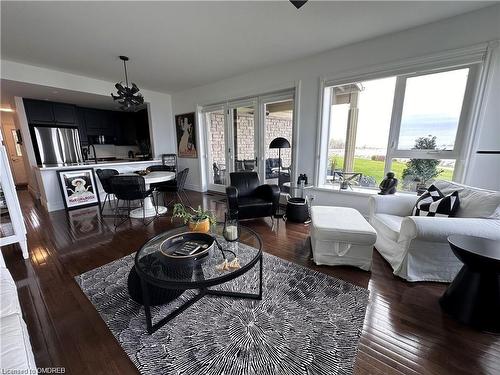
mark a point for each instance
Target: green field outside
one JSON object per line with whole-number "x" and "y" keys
{"x": 375, "y": 168}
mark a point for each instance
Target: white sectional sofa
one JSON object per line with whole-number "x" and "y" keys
{"x": 15, "y": 346}
{"x": 417, "y": 247}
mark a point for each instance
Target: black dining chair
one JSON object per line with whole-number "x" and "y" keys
{"x": 159, "y": 168}
{"x": 170, "y": 161}
{"x": 104, "y": 176}
{"x": 176, "y": 186}
{"x": 131, "y": 188}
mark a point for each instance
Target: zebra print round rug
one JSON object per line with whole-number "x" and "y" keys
{"x": 306, "y": 323}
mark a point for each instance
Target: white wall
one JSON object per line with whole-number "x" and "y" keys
{"x": 159, "y": 104}
{"x": 458, "y": 32}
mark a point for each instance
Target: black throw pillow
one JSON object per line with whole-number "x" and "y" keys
{"x": 434, "y": 203}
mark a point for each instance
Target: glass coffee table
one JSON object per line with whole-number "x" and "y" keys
{"x": 159, "y": 272}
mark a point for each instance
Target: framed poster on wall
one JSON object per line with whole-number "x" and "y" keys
{"x": 78, "y": 187}
{"x": 185, "y": 125}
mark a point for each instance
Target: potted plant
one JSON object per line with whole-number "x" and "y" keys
{"x": 198, "y": 220}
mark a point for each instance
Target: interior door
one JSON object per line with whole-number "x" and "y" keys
{"x": 15, "y": 154}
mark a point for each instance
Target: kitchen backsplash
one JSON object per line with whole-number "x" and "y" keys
{"x": 109, "y": 151}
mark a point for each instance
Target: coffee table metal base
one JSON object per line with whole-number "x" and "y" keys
{"x": 203, "y": 292}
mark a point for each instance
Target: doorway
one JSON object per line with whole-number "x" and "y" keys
{"x": 239, "y": 134}
{"x": 13, "y": 141}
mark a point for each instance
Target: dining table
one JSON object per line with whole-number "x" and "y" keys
{"x": 148, "y": 207}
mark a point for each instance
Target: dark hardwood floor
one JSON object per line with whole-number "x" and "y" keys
{"x": 404, "y": 330}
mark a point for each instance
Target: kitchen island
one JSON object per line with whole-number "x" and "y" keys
{"x": 48, "y": 182}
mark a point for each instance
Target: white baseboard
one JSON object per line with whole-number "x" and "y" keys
{"x": 194, "y": 187}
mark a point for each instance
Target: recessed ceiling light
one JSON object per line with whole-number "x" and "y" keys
{"x": 6, "y": 109}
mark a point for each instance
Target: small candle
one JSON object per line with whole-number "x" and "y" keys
{"x": 232, "y": 232}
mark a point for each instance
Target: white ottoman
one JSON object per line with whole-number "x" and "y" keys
{"x": 341, "y": 236}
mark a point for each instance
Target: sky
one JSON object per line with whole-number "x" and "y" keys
{"x": 432, "y": 106}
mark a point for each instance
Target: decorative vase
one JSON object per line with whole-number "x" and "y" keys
{"x": 231, "y": 231}
{"x": 202, "y": 226}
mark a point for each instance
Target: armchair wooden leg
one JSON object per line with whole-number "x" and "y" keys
{"x": 272, "y": 222}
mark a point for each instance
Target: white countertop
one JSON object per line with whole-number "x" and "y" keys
{"x": 97, "y": 165}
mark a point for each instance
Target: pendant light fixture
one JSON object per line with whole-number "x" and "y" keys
{"x": 298, "y": 4}
{"x": 128, "y": 97}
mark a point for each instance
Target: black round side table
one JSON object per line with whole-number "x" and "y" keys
{"x": 474, "y": 295}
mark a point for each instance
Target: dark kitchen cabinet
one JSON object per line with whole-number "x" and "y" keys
{"x": 64, "y": 114}
{"x": 142, "y": 125}
{"x": 82, "y": 129}
{"x": 92, "y": 120}
{"x": 39, "y": 111}
{"x": 120, "y": 128}
{"x": 50, "y": 113}
{"x": 98, "y": 122}
{"x": 126, "y": 128}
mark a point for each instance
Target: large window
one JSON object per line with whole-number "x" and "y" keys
{"x": 411, "y": 125}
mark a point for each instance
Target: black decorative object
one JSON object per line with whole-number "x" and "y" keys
{"x": 128, "y": 97}
{"x": 302, "y": 177}
{"x": 474, "y": 295}
{"x": 298, "y": 4}
{"x": 297, "y": 210}
{"x": 388, "y": 184}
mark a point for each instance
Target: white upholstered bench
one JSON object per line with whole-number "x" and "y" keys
{"x": 341, "y": 236}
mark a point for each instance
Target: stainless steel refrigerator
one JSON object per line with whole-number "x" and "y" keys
{"x": 58, "y": 145}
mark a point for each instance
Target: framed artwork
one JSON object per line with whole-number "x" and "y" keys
{"x": 78, "y": 187}
{"x": 185, "y": 126}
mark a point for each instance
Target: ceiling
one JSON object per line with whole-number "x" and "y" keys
{"x": 179, "y": 45}
{"x": 9, "y": 89}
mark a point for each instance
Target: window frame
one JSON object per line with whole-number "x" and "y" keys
{"x": 462, "y": 139}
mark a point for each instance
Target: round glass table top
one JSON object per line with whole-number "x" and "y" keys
{"x": 193, "y": 272}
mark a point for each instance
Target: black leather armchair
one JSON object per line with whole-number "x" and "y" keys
{"x": 251, "y": 199}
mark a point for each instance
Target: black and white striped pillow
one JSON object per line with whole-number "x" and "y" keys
{"x": 435, "y": 203}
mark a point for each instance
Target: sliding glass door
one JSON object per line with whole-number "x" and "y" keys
{"x": 239, "y": 136}
{"x": 278, "y": 111}
{"x": 217, "y": 163}
{"x": 244, "y": 137}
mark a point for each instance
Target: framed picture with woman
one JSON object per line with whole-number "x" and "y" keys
{"x": 78, "y": 187}
{"x": 185, "y": 125}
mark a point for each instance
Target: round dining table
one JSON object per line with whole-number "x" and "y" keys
{"x": 149, "y": 208}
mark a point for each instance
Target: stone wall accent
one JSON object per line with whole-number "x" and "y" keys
{"x": 275, "y": 127}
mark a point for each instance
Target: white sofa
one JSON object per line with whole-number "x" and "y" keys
{"x": 417, "y": 247}
{"x": 15, "y": 346}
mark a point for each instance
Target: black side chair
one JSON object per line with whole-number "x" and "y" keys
{"x": 251, "y": 199}
{"x": 169, "y": 161}
{"x": 128, "y": 189}
{"x": 104, "y": 176}
{"x": 176, "y": 186}
{"x": 158, "y": 168}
